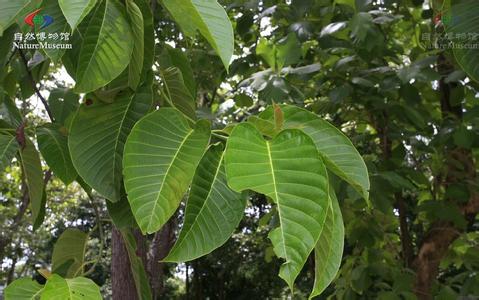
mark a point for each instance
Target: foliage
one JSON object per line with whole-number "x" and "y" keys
{"x": 220, "y": 104}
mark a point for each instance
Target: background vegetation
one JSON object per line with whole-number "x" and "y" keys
{"x": 384, "y": 72}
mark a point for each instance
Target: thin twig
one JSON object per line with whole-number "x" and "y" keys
{"x": 100, "y": 232}
{"x": 34, "y": 85}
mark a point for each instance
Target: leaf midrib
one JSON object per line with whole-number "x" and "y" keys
{"x": 165, "y": 177}
{"x": 118, "y": 138}
{"x": 97, "y": 41}
{"x": 59, "y": 147}
{"x": 277, "y": 200}
{"x": 204, "y": 204}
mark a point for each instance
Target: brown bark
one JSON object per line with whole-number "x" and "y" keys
{"x": 406, "y": 240}
{"x": 161, "y": 245}
{"x": 122, "y": 283}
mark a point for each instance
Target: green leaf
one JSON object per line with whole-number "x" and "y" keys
{"x": 243, "y": 100}
{"x": 267, "y": 51}
{"x": 76, "y": 10}
{"x": 32, "y": 169}
{"x": 287, "y": 51}
{"x": 70, "y": 58}
{"x": 23, "y": 289}
{"x": 59, "y": 26}
{"x": 149, "y": 37}
{"x": 120, "y": 213}
{"x": 63, "y": 102}
{"x": 462, "y": 22}
{"x": 336, "y": 149}
{"x": 137, "y": 268}
{"x": 161, "y": 155}
{"x": 10, "y": 112}
{"x": 212, "y": 213}
{"x": 136, "y": 64}
{"x": 53, "y": 144}
{"x": 172, "y": 57}
{"x": 329, "y": 249}
{"x": 351, "y": 3}
{"x": 266, "y": 127}
{"x": 177, "y": 94}
{"x": 287, "y": 169}
{"x": 70, "y": 247}
{"x": 279, "y": 55}
{"x": 6, "y": 42}
{"x": 97, "y": 138}
{"x": 8, "y": 149}
{"x": 43, "y": 209}
{"x": 9, "y": 11}
{"x": 106, "y": 49}
{"x": 79, "y": 288}
{"x": 210, "y": 18}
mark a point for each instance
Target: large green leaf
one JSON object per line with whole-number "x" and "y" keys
{"x": 173, "y": 57}
{"x": 97, "y": 138}
{"x": 70, "y": 58}
{"x": 76, "y": 10}
{"x": 136, "y": 64}
{"x": 210, "y": 18}
{"x": 106, "y": 49}
{"x": 79, "y": 288}
{"x": 6, "y": 42}
{"x": 161, "y": 155}
{"x": 329, "y": 249}
{"x": 69, "y": 249}
{"x": 59, "y": 26}
{"x": 149, "y": 37}
{"x": 287, "y": 169}
{"x": 460, "y": 23}
{"x": 8, "y": 149}
{"x": 212, "y": 213}
{"x": 177, "y": 94}
{"x": 335, "y": 148}
{"x": 32, "y": 169}
{"x": 23, "y": 289}
{"x": 137, "y": 268}
{"x": 53, "y": 144}
{"x": 63, "y": 102}
{"x": 8, "y": 12}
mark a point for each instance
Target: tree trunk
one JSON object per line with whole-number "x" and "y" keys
{"x": 122, "y": 282}
{"x": 161, "y": 246}
{"x": 406, "y": 240}
{"x": 197, "y": 282}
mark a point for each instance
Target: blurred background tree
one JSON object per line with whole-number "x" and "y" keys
{"x": 376, "y": 70}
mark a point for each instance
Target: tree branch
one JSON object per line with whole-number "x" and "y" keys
{"x": 34, "y": 85}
